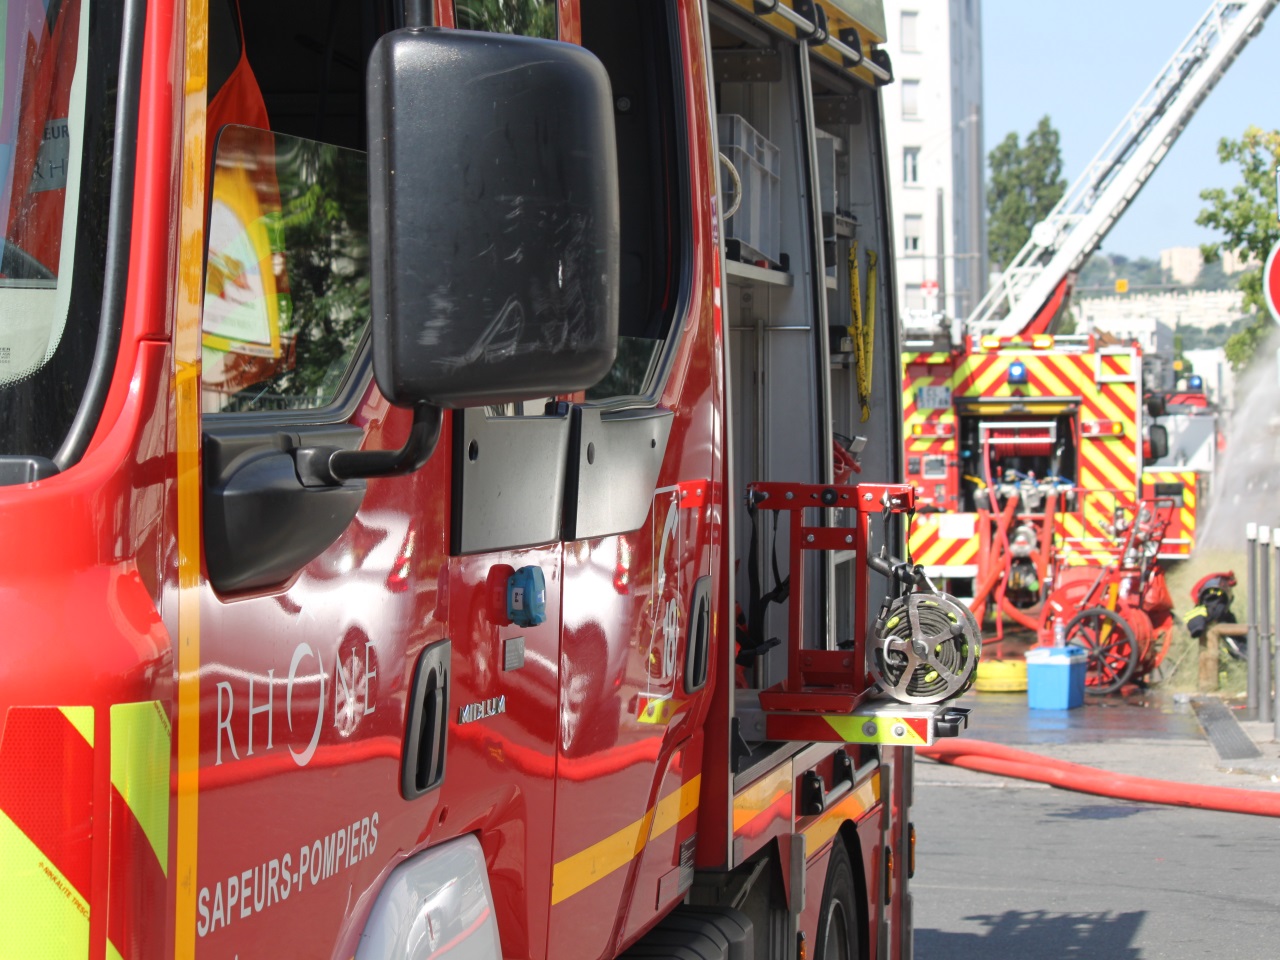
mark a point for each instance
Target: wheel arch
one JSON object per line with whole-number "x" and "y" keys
{"x": 848, "y": 835}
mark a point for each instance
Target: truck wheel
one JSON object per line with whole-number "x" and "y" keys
{"x": 838, "y": 920}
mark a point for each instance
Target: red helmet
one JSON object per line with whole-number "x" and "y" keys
{"x": 1223, "y": 581}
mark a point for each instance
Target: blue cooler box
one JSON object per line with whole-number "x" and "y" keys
{"x": 1055, "y": 677}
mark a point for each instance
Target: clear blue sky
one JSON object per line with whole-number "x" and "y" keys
{"x": 1086, "y": 62}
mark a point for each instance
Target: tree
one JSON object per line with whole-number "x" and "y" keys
{"x": 1026, "y": 183}
{"x": 1246, "y": 215}
{"x": 532, "y": 18}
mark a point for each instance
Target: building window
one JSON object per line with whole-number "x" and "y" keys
{"x": 910, "y": 39}
{"x": 910, "y": 165}
{"x": 912, "y": 226}
{"x": 911, "y": 98}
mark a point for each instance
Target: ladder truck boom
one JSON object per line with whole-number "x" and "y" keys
{"x": 1031, "y": 288}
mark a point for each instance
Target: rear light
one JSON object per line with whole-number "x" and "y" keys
{"x": 1042, "y": 341}
{"x": 1101, "y": 428}
{"x": 888, "y": 874}
{"x": 990, "y": 343}
{"x": 932, "y": 429}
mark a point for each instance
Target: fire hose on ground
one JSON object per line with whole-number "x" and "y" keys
{"x": 1003, "y": 761}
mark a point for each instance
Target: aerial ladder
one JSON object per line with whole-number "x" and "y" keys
{"x": 1035, "y": 286}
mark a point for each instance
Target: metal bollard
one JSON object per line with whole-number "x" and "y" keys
{"x": 1251, "y": 641}
{"x": 1274, "y": 660}
{"x": 1264, "y": 624}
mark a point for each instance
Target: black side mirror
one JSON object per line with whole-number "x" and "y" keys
{"x": 1156, "y": 404}
{"x": 494, "y": 218}
{"x": 1157, "y": 443}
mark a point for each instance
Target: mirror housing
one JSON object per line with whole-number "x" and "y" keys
{"x": 493, "y": 218}
{"x": 1156, "y": 404}
{"x": 1157, "y": 445}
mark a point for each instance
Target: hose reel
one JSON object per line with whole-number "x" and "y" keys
{"x": 925, "y": 647}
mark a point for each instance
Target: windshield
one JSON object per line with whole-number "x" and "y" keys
{"x": 58, "y": 75}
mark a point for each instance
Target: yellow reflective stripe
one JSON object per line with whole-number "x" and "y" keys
{"x": 82, "y": 719}
{"x": 192, "y": 46}
{"x": 575, "y": 873}
{"x": 140, "y": 769}
{"x": 760, "y": 796}
{"x": 850, "y": 807}
{"x": 112, "y": 952}
{"x": 674, "y": 807}
{"x": 41, "y": 914}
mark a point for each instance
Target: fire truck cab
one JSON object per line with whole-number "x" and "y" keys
{"x": 419, "y": 449}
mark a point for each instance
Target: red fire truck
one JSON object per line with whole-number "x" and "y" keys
{"x": 420, "y": 535}
{"x": 1029, "y": 449}
{"x": 1028, "y": 452}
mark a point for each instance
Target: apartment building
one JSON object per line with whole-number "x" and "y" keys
{"x": 933, "y": 121}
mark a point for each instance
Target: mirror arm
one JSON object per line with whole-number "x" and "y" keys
{"x": 417, "y": 13}
{"x": 329, "y": 466}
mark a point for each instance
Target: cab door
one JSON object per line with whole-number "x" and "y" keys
{"x": 635, "y": 655}
{"x": 361, "y": 696}
{"x": 315, "y": 604}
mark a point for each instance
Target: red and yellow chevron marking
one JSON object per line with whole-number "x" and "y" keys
{"x": 901, "y": 731}
{"x": 930, "y": 548}
{"x": 46, "y": 832}
{"x": 1107, "y": 386}
{"x": 47, "y": 821}
{"x": 140, "y": 752}
{"x": 1116, "y": 365}
{"x": 917, "y": 373}
{"x": 1180, "y": 537}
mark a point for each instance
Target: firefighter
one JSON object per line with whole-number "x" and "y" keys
{"x": 1213, "y": 624}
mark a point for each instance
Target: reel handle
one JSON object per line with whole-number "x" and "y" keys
{"x": 899, "y": 570}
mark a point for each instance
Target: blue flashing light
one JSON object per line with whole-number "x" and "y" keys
{"x": 1017, "y": 372}
{"x": 1195, "y": 383}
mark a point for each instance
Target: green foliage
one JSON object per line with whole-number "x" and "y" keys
{"x": 530, "y": 18}
{"x": 325, "y": 223}
{"x": 1246, "y": 216}
{"x": 1214, "y": 277}
{"x": 1100, "y": 273}
{"x": 1026, "y": 183}
{"x": 1207, "y": 338}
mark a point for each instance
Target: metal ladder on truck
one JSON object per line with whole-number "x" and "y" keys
{"x": 1034, "y": 285}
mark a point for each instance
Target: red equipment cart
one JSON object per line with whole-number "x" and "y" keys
{"x": 1121, "y": 613}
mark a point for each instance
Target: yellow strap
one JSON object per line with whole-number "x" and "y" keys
{"x": 857, "y": 327}
{"x": 866, "y": 359}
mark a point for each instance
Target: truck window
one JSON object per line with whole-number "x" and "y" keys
{"x": 286, "y": 299}
{"x": 638, "y": 44}
{"x": 57, "y": 112}
{"x": 530, "y": 18}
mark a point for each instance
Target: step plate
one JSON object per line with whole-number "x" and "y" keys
{"x": 1224, "y": 732}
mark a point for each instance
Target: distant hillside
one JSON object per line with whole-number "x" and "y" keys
{"x": 1099, "y": 276}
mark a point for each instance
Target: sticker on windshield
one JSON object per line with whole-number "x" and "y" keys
{"x": 50, "y": 172}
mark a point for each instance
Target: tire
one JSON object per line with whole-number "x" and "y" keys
{"x": 1110, "y": 644}
{"x": 839, "y": 920}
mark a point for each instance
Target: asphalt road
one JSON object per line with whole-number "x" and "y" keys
{"x": 1007, "y": 869}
